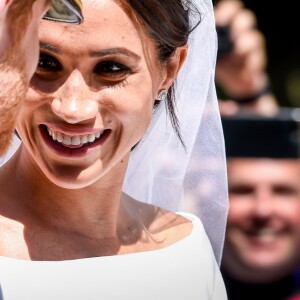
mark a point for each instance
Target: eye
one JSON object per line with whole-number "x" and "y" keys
{"x": 111, "y": 69}
{"x": 285, "y": 190}
{"x": 241, "y": 190}
{"x": 48, "y": 63}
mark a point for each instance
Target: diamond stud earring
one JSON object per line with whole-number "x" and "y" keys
{"x": 162, "y": 95}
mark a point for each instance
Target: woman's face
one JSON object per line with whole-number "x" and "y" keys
{"x": 92, "y": 95}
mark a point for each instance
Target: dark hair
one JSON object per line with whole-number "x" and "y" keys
{"x": 168, "y": 24}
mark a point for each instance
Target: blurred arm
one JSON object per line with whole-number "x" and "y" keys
{"x": 241, "y": 73}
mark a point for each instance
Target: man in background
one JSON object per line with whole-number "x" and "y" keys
{"x": 261, "y": 251}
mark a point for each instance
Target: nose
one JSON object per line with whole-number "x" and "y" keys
{"x": 74, "y": 101}
{"x": 264, "y": 204}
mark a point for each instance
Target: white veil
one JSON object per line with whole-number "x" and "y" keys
{"x": 194, "y": 179}
{"x": 12, "y": 148}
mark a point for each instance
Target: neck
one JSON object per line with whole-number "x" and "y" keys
{"x": 93, "y": 211}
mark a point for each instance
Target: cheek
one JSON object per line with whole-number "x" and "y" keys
{"x": 31, "y": 49}
{"x": 140, "y": 114}
{"x": 135, "y": 122}
{"x": 35, "y": 97}
{"x": 133, "y": 106}
{"x": 239, "y": 210}
{"x": 4, "y": 3}
{"x": 33, "y": 101}
{"x": 31, "y": 41}
{"x": 289, "y": 211}
{"x": 24, "y": 117}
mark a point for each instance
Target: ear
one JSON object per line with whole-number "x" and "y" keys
{"x": 174, "y": 65}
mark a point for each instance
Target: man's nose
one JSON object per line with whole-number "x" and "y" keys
{"x": 264, "y": 203}
{"x": 74, "y": 101}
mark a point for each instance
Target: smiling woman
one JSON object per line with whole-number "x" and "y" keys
{"x": 100, "y": 110}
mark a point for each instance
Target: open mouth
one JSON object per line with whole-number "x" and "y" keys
{"x": 72, "y": 145}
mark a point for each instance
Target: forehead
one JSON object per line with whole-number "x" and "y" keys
{"x": 105, "y": 24}
{"x": 262, "y": 170}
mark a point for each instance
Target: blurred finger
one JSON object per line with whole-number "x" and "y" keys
{"x": 242, "y": 22}
{"x": 3, "y": 3}
{"x": 226, "y": 10}
{"x": 228, "y": 108}
{"x": 248, "y": 42}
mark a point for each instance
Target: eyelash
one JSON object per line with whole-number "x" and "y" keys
{"x": 48, "y": 63}
{"x": 117, "y": 85}
{"x": 109, "y": 72}
{"x": 112, "y": 73}
{"x": 112, "y": 67}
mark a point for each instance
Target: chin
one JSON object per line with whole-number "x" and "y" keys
{"x": 72, "y": 183}
{"x": 71, "y": 177}
{"x": 268, "y": 266}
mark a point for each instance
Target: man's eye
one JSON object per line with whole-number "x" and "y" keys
{"x": 240, "y": 190}
{"x": 111, "y": 68}
{"x": 285, "y": 190}
{"x": 48, "y": 63}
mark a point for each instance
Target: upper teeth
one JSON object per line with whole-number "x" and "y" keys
{"x": 266, "y": 232}
{"x": 74, "y": 140}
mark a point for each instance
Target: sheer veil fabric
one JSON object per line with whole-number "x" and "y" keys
{"x": 164, "y": 173}
{"x": 193, "y": 179}
{"x": 14, "y": 145}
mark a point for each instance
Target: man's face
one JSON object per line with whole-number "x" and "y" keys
{"x": 19, "y": 33}
{"x": 19, "y": 52}
{"x": 19, "y": 49}
{"x": 3, "y": 3}
{"x": 263, "y": 232}
{"x": 19, "y": 22}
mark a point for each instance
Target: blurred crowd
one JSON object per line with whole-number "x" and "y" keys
{"x": 261, "y": 255}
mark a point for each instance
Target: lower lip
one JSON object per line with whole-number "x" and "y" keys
{"x": 63, "y": 150}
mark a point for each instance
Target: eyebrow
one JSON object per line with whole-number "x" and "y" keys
{"x": 49, "y": 47}
{"x": 115, "y": 51}
{"x": 101, "y": 53}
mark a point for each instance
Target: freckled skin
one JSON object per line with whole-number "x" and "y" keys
{"x": 19, "y": 22}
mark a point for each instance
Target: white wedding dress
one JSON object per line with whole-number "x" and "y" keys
{"x": 186, "y": 270}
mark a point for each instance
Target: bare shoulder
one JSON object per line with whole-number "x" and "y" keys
{"x": 162, "y": 224}
{"x": 175, "y": 227}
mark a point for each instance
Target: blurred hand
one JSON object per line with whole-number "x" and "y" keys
{"x": 242, "y": 71}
